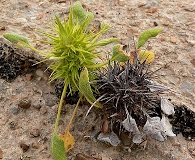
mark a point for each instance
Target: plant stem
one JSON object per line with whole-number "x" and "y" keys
{"x": 74, "y": 112}
{"x": 60, "y": 107}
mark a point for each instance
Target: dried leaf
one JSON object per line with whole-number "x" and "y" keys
{"x": 130, "y": 124}
{"x": 167, "y": 127}
{"x": 155, "y": 86}
{"x": 153, "y": 128}
{"x": 167, "y": 107}
{"x": 138, "y": 138}
{"x": 133, "y": 56}
{"x": 68, "y": 140}
{"x": 146, "y": 56}
{"x": 111, "y": 138}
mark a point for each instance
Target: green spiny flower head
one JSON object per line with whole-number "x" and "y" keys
{"x": 74, "y": 45}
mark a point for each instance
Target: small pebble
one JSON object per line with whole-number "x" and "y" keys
{"x": 35, "y": 145}
{"x": 155, "y": 23}
{"x": 50, "y": 102}
{"x": 141, "y": 4}
{"x": 15, "y": 110}
{"x": 3, "y": 28}
{"x": 34, "y": 133}
{"x": 173, "y": 39}
{"x": 43, "y": 110}
{"x": 152, "y": 10}
{"x": 1, "y": 153}
{"x": 24, "y": 147}
{"x": 193, "y": 62}
{"x": 21, "y": 20}
{"x": 24, "y": 103}
{"x": 39, "y": 73}
{"x": 29, "y": 77}
{"x": 193, "y": 153}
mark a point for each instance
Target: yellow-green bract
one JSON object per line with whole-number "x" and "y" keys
{"x": 144, "y": 36}
{"x": 85, "y": 88}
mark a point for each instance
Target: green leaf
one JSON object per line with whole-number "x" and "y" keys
{"x": 144, "y": 36}
{"x": 14, "y": 38}
{"x": 89, "y": 19}
{"x": 57, "y": 147}
{"x": 118, "y": 54}
{"x": 85, "y": 88}
{"x": 79, "y": 13}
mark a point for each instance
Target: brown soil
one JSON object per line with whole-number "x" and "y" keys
{"x": 25, "y": 132}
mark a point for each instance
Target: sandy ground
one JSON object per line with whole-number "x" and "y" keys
{"x": 127, "y": 18}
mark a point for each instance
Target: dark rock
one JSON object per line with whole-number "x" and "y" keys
{"x": 24, "y": 147}
{"x": 24, "y": 103}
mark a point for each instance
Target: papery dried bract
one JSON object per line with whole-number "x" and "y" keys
{"x": 153, "y": 128}
{"x": 167, "y": 107}
{"x": 138, "y": 138}
{"x": 130, "y": 125}
{"x": 111, "y": 138}
{"x": 167, "y": 126}
{"x": 155, "y": 86}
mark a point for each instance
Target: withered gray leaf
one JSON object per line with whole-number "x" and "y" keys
{"x": 153, "y": 128}
{"x": 167, "y": 107}
{"x": 111, "y": 138}
{"x": 130, "y": 124}
{"x": 167, "y": 126}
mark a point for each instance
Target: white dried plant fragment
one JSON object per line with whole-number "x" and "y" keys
{"x": 111, "y": 138}
{"x": 155, "y": 86}
{"x": 130, "y": 124}
{"x": 167, "y": 107}
{"x": 138, "y": 138}
{"x": 167, "y": 126}
{"x": 153, "y": 128}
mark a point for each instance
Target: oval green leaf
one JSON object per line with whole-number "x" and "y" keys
{"x": 85, "y": 88}
{"x": 14, "y": 38}
{"x": 57, "y": 147}
{"x": 144, "y": 36}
